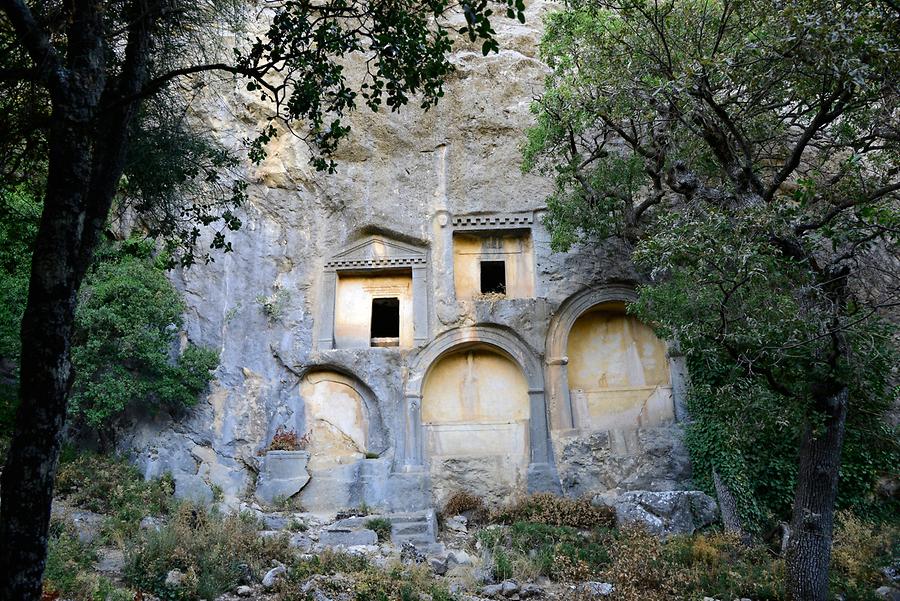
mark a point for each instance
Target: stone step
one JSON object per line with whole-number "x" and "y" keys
{"x": 418, "y": 528}
{"x": 407, "y": 528}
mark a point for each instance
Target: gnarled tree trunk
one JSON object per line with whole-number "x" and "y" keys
{"x": 812, "y": 523}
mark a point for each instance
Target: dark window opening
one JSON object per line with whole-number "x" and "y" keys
{"x": 385, "y": 318}
{"x": 493, "y": 277}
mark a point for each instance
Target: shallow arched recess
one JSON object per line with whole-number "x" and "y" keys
{"x": 605, "y": 369}
{"x": 460, "y": 377}
{"x": 342, "y": 417}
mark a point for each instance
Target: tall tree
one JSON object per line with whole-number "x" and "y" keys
{"x": 750, "y": 153}
{"x": 88, "y": 85}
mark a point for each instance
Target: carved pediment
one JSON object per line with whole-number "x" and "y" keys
{"x": 377, "y": 252}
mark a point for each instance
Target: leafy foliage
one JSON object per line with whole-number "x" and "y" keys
{"x": 381, "y": 527}
{"x": 127, "y": 321}
{"x": 18, "y": 227}
{"x": 748, "y": 153}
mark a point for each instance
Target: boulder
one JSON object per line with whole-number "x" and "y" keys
{"x": 193, "y": 488}
{"x": 346, "y": 537}
{"x": 243, "y": 591}
{"x": 663, "y": 513}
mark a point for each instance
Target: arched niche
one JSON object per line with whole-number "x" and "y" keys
{"x": 618, "y": 371}
{"x": 475, "y": 404}
{"x": 606, "y": 369}
{"x": 489, "y": 345}
{"x": 341, "y": 416}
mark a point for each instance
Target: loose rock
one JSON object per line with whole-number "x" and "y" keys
{"x": 272, "y": 576}
{"x": 492, "y": 590}
{"x": 457, "y": 523}
{"x": 888, "y": 592}
{"x": 598, "y": 589}
{"x": 174, "y": 578}
{"x": 508, "y": 588}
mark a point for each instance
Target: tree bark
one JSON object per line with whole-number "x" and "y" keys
{"x": 731, "y": 519}
{"x": 809, "y": 547}
{"x": 89, "y": 134}
{"x": 46, "y": 371}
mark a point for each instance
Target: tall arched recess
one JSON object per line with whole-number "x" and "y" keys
{"x": 562, "y": 415}
{"x": 541, "y": 474}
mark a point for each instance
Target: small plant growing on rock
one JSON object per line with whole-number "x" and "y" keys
{"x": 273, "y": 306}
{"x": 296, "y": 525}
{"x": 286, "y": 439}
{"x": 381, "y": 527}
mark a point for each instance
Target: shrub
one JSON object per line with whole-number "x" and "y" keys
{"x": 111, "y": 486}
{"x": 211, "y": 550}
{"x": 286, "y": 439}
{"x": 526, "y": 550}
{"x": 126, "y": 325}
{"x": 546, "y": 508}
{"x": 463, "y": 502}
{"x": 67, "y": 556}
{"x": 859, "y": 549}
{"x": 381, "y": 526}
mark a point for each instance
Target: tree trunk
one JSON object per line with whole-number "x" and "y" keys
{"x": 731, "y": 519}
{"x": 809, "y": 547}
{"x": 46, "y": 372}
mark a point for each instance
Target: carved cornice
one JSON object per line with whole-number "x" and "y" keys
{"x": 493, "y": 221}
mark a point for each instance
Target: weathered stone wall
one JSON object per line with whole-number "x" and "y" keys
{"x": 407, "y": 184}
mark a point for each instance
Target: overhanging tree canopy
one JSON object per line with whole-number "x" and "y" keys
{"x": 93, "y": 90}
{"x": 750, "y": 152}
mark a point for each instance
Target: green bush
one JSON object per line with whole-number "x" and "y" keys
{"x": 207, "y": 548}
{"x": 526, "y": 550}
{"x": 66, "y": 557}
{"x": 127, "y": 322}
{"x": 759, "y": 463}
{"x": 353, "y": 577}
{"x": 381, "y": 526}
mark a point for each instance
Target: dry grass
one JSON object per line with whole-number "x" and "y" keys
{"x": 545, "y": 508}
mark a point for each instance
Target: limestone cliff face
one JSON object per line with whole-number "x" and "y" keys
{"x": 406, "y": 177}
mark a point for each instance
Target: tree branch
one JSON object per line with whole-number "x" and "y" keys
{"x": 36, "y": 42}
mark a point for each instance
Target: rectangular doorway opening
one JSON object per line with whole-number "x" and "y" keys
{"x": 385, "y": 329}
{"x": 493, "y": 277}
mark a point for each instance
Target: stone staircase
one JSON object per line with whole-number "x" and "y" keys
{"x": 418, "y": 528}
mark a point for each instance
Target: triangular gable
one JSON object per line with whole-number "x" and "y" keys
{"x": 376, "y": 252}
